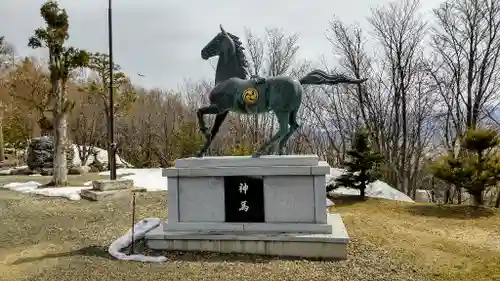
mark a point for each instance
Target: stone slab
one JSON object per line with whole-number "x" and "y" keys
{"x": 248, "y": 171}
{"x": 319, "y": 196}
{"x": 290, "y": 199}
{"x": 173, "y": 199}
{"x": 332, "y": 245}
{"x": 247, "y": 161}
{"x": 96, "y": 195}
{"x": 323, "y": 168}
{"x": 200, "y": 199}
{"x": 248, "y": 227}
{"x": 306, "y": 249}
{"x": 105, "y": 185}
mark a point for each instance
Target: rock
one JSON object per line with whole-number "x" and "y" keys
{"x": 107, "y": 185}
{"x": 6, "y": 172}
{"x": 84, "y": 169}
{"x": 46, "y": 171}
{"x": 96, "y": 195}
{"x": 79, "y": 170}
{"x": 40, "y": 154}
{"x": 21, "y": 171}
{"x": 423, "y": 196}
{"x": 98, "y": 167}
{"x": 94, "y": 169}
{"x": 73, "y": 171}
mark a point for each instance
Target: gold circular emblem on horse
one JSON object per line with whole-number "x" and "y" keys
{"x": 250, "y": 96}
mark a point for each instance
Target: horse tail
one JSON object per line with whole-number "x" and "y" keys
{"x": 319, "y": 77}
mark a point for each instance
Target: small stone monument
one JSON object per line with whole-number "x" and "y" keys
{"x": 108, "y": 189}
{"x": 272, "y": 205}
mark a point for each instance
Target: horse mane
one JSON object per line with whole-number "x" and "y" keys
{"x": 240, "y": 55}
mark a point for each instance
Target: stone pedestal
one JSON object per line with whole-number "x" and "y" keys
{"x": 273, "y": 205}
{"x": 108, "y": 189}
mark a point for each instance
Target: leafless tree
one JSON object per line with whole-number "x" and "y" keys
{"x": 28, "y": 85}
{"x": 6, "y": 59}
{"x": 255, "y": 50}
{"x": 400, "y": 32}
{"x": 466, "y": 46}
{"x": 272, "y": 56}
{"x": 85, "y": 121}
{"x": 349, "y": 44}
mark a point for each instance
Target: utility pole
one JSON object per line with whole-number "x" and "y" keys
{"x": 111, "y": 117}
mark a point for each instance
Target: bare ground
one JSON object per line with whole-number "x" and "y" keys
{"x": 55, "y": 239}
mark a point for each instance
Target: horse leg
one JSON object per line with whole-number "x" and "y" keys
{"x": 219, "y": 119}
{"x": 293, "y": 127}
{"x": 211, "y": 109}
{"x": 283, "y": 130}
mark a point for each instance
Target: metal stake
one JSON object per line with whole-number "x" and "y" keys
{"x": 133, "y": 224}
{"x": 134, "y": 191}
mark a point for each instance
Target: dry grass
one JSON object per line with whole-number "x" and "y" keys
{"x": 55, "y": 239}
{"x": 447, "y": 242}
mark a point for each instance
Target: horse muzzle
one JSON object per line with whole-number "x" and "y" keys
{"x": 204, "y": 55}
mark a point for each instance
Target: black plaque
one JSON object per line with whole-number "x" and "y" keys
{"x": 244, "y": 199}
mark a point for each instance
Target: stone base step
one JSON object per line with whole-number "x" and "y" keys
{"x": 107, "y": 185}
{"x": 96, "y": 195}
{"x": 332, "y": 245}
{"x": 248, "y": 227}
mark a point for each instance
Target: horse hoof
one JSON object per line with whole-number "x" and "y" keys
{"x": 199, "y": 155}
{"x": 256, "y": 155}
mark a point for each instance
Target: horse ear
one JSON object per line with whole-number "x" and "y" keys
{"x": 222, "y": 30}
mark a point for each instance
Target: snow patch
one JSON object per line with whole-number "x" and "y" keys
{"x": 7, "y": 172}
{"x": 150, "y": 179}
{"x": 329, "y": 203}
{"x": 123, "y": 171}
{"x": 377, "y": 189}
{"x": 140, "y": 229}
{"x": 33, "y": 187}
{"x": 102, "y": 157}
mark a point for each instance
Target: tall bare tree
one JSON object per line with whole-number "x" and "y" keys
{"x": 29, "y": 86}
{"x": 6, "y": 59}
{"x": 466, "y": 46}
{"x": 273, "y": 56}
{"x": 6, "y": 55}
{"x": 255, "y": 47}
{"x": 400, "y": 32}
{"x": 348, "y": 43}
{"x": 62, "y": 60}
{"x": 466, "y": 43}
{"x": 124, "y": 92}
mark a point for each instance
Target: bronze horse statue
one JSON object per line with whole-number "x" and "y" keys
{"x": 234, "y": 92}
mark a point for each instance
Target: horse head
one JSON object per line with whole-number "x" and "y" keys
{"x": 221, "y": 44}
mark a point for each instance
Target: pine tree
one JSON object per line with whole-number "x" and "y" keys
{"x": 361, "y": 167}
{"x": 477, "y": 169}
